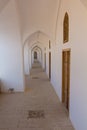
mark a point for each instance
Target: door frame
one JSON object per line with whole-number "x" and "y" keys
{"x": 50, "y": 65}
{"x": 45, "y": 61}
{"x": 68, "y": 91}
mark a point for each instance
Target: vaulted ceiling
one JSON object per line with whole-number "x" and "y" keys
{"x": 84, "y": 2}
{"x": 37, "y": 15}
{"x": 3, "y": 3}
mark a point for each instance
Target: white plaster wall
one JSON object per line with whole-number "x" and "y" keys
{"x": 42, "y": 58}
{"x": 84, "y": 2}
{"x": 30, "y": 59}
{"x": 11, "y": 69}
{"x": 56, "y": 69}
{"x": 3, "y": 4}
{"x": 47, "y": 61}
{"x": 78, "y": 35}
{"x": 78, "y": 44}
{"x": 26, "y": 59}
{"x": 39, "y": 55}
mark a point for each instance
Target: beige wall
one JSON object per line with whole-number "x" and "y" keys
{"x": 78, "y": 44}
{"x": 11, "y": 62}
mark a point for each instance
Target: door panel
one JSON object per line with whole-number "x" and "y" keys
{"x": 66, "y": 78}
{"x": 45, "y": 61}
{"x": 49, "y": 65}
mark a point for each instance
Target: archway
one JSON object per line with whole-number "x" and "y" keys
{"x": 36, "y": 47}
{"x": 35, "y": 55}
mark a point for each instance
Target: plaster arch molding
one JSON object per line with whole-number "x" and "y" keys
{"x": 39, "y": 41}
{"x": 39, "y": 54}
{"x": 39, "y": 37}
{"x": 39, "y": 45}
{"x": 36, "y": 48}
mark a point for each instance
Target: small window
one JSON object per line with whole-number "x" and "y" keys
{"x": 66, "y": 28}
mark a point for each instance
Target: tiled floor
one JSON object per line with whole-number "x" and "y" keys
{"x": 39, "y": 95}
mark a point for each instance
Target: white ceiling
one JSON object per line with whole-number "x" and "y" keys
{"x": 3, "y": 3}
{"x": 84, "y": 2}
{"x": 38, "y": 15}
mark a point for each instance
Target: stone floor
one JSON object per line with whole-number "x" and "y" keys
{"x": 39, "y": 96}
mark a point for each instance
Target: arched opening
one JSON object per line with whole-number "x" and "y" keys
{"x": 35, "y": 55}
{"x": 35, "y": 51}
{"x": 66, "y": 28}
{"x": 35, "y": 41}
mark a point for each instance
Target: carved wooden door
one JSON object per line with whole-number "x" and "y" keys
{"x": 49, "y": 65}
{"x": 66, "y": 78}
{"x": 45, "y": 61}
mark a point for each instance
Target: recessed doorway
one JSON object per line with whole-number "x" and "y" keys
{"x": 35, "y": 55}
{"x": 45, "y": 61}
{"x": 66, "y": 78}
{"x": 49, "y": 65}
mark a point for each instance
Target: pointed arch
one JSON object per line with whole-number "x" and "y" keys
{"x": 66, "y": 28}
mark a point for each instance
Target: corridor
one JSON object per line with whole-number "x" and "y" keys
{"x": 38, "y": 108}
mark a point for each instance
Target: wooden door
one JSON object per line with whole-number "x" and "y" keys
{"x": 45, "y": 61}
{"x": 66, "y": 78}
{"x": 49, "y": 65}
